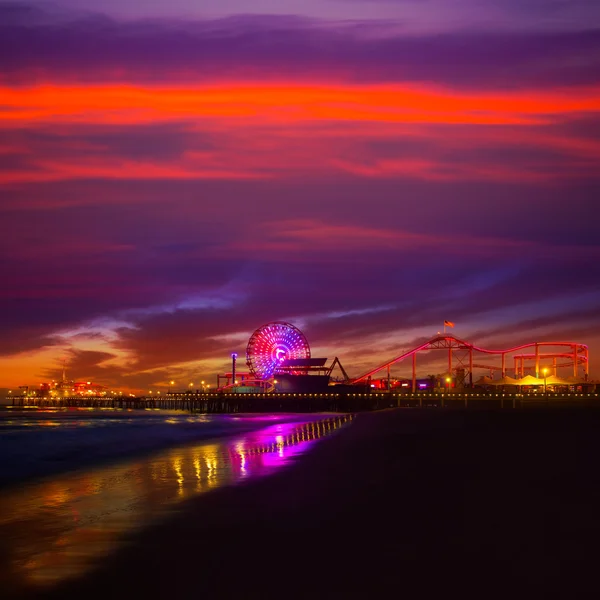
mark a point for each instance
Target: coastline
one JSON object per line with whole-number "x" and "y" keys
{"x": 428, "y": 501}
{"x": 60, "y": 527}
{"x": 57, "y": 452}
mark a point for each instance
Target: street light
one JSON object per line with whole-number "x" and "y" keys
{"x": 545, "y": 375}
{"x": 448, "y": 380}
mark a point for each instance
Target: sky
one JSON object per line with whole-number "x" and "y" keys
{"x": 175, "y": 175}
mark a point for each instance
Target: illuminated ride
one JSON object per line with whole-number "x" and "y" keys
{"x": 461, "y": 354}
{"x": 273, "y": 344}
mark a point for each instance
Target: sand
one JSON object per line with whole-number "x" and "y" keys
{"x": 420, "y": 503}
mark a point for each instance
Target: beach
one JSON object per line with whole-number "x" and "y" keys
{"x": 480, "y": 503}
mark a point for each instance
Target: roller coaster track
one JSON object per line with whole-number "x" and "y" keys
{"x": 578, "y": 355}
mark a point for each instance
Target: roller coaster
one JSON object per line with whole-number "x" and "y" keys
{"x": 461, "y": 359}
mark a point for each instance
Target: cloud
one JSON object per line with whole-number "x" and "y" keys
{"x": 266, "y": 131}
{"x": 425, "y": 290}
{"x": 344, "y": 306}
{"x": 98, "y": 49}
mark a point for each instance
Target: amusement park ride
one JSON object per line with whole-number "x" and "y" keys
{"x": 279, "y": 359}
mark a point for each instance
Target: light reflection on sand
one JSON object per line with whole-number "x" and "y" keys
{"x": 60, "y": 527}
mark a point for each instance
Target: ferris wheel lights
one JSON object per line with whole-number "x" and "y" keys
{"x": 272, "y": 344}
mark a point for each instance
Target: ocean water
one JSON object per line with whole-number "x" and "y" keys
{"x": 76, "y": 483}
{"x": 37, "y": 442}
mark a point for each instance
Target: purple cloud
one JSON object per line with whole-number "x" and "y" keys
{"x": 99, "y": 49}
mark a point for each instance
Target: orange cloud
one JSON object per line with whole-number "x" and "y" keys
{"x": 111, "y": 104}
{"x": 47, "y": 170}
{"x": 295, "y": 128}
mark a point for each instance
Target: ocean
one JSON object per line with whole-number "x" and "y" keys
{"x": 75, "y": 483}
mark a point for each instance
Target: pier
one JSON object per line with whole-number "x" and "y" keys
{"x": 225, "y": 403}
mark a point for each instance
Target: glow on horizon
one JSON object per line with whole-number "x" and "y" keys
{"x": 127, "y": 104}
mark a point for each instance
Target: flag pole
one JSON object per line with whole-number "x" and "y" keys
{"x": 444, "y": 326}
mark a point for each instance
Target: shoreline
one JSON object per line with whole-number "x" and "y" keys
{"x": 71, "y": 457}
{"x": 435, "y": 501}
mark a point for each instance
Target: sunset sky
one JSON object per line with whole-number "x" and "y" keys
{"x": 174, "y": 175}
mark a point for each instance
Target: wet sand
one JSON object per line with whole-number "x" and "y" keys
{"x": 417, "y": 502}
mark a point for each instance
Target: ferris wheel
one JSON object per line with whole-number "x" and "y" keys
{"x": 273, "y": 343}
